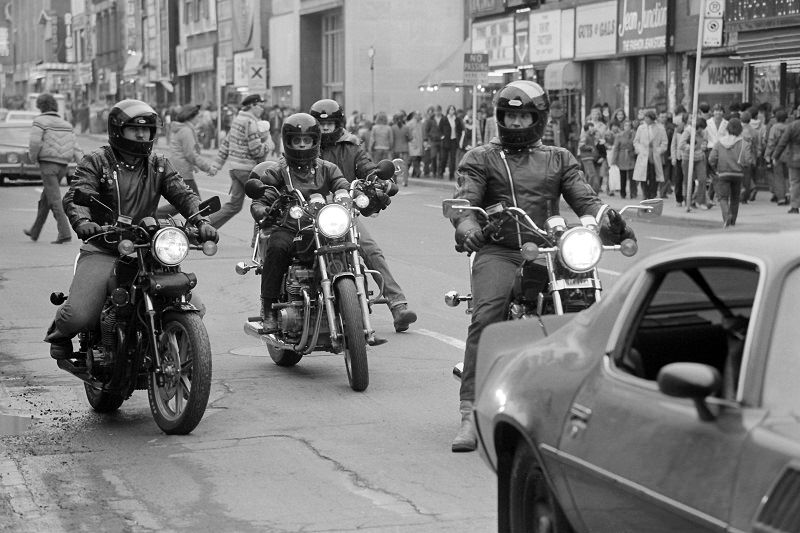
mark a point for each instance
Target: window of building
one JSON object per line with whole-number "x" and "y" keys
{"x": 332, "y": 55}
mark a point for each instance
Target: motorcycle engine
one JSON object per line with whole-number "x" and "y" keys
{"x": 297, "y": 279}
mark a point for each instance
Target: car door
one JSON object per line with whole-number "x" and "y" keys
{"x": 638, "y": 460}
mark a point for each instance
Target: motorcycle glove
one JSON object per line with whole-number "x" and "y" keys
{"x": 207, "y": 232}
{"x": 469, "y": 236}
{"x": 87, "y": 229}
{"x": 614, "y": 229}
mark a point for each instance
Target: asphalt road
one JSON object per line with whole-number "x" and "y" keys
{"x": 278, "y": 449}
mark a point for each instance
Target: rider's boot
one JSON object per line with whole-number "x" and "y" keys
{"x": 269, "y": 316}
{"x": 466, "y": 439}
{"x": 403, "y": 316}
{"x": 60, "y": 344}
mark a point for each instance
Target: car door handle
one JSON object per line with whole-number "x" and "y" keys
{"x": 579, "y": 416}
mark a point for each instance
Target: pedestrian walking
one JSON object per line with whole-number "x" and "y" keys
{"x": 381, "y": 138}
{"x": 676, "y": 156}
{"x": 401, "y": 136}
{"x": 780, "y": 172}
{"x": 698, "y": 159}
{"x": 452, "y": 126}
{"x": 624, "y": 156}
{"x": 415, "y": 149}
{"x": 52, "y": 144}
{"x": 587, "y": 148}
{"x": 729, "y": 157}
{"x": 184, "y": 147}
{"x": 432, "y": 138}
{"x": 245, "y": 147}
{"x": 790, "y": 143}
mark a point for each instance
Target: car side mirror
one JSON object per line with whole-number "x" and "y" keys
{"x": 695, "y": 381}
{"x": 453, "y": 206}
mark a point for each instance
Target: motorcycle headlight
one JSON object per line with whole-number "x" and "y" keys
{"x": 170, "y": 246}
{"x": 333, "y": 221}
{"x": 580, "y": 249}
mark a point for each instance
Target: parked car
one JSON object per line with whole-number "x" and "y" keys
{"x": 21, "y": 117}
{"x": 671, "y": 405}
{"x": 14, "y": 161}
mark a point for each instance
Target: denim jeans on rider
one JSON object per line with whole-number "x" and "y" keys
{"x": 234, "y": 205}
{"x": 87, "y": 294}
{"x": 492, "y": 278}
{"x": 50, "y": 200}
{"x": 374, "y": 259}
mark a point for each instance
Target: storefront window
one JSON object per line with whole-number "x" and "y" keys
{"x": 655, "y": 83}
{"x": 610, "y": 83}
{"x": 767, "y": 84}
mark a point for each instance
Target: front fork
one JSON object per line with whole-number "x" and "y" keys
{"x": 151, "y": 316}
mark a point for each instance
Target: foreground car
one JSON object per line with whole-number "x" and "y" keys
{"x": 671, "y": 405}
{"x": 14, "y": 161}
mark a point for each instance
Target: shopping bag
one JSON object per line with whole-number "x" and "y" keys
{"x": 613, "y": 178}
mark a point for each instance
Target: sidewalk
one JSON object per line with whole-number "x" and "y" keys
{"x": 760, "y": 214}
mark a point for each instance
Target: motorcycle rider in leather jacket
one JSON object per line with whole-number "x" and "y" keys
{"x": 516, "y": 168}
{"x": 345, "y": 151}
{"x": 301, "y": 167}
{"x": 130, "y": 179}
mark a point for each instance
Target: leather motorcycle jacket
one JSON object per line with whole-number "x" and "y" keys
{"x": 324, "y": 178}
{"x": 348, "y": 154}
{"x": 134, "y": 193}
{"x": 533, "y": 179}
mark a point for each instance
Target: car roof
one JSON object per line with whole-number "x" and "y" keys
{"x": 768, "y": 244}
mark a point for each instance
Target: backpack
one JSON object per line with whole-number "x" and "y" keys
{"x": 746, "y": 156}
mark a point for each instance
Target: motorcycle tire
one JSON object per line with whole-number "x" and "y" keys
{"x": 282, "y": 357}
{"x": 103, "y": 401}
{"x": 180, "y": 401}
{"x": 351, "y": 324}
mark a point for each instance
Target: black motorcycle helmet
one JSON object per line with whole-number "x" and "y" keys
{"x": 300, "y": 124}
{"x": 525, "y": 96}
{"x": 331, "y": 111}
{"x": 132, "y": 113}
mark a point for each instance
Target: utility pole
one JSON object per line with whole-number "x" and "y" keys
{"x": 371, "y": 54}
{"x": 695, "y": 96}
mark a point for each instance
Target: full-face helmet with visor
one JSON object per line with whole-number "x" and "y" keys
{"x": 328, "y": 110}
{"x": 135, "y": 114}
{"x": 521, "y": 96}
{"x": 297, "y": 126}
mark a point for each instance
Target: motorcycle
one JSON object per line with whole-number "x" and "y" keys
{"x": 571, "y": 255}
{"x": 324, "y": 302}
{"x": 149, "y": 335}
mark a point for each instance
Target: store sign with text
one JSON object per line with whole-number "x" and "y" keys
{"x": 642, "y": 26}
{"x": 596, "y": 30}
{"x": 545, "y": 36}
{"x": 721, "y": 75}
{"x": 496, "y": 38}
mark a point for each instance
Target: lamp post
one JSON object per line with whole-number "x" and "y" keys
{"x": 371, "y": 54}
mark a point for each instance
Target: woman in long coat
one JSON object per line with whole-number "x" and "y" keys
{"x": 650, "y": 144}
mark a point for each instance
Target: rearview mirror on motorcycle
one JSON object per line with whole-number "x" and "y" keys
{"x": 453, "y": 206}
{"x": 209, "y": 206}
{"x": 647, "y": 209}
{"x": 386, "y": 169}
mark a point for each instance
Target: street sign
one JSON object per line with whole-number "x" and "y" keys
{"x": 712, "y": 26}
{"x": 476, "y": 69}
{"x": 257, "y": 76}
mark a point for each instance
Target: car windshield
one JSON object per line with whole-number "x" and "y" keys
{"x": 16, "y": 137}
{"x": 21, "y": 116}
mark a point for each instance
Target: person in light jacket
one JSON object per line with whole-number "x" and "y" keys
{"x": 650, "y": 143}
{"x": 415, "y": 149}
{"x": 698, "y": 158}
{"x": 185, "y": 151}
{"x": 53, "y": 146}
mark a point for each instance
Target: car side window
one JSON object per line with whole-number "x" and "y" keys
{"x": 694, "y": 312}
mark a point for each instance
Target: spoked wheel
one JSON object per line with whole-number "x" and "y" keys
{"x": 178, "y": 403}
{"x": 351, "y": 324}
{"x": 533, "y": 508}
{"x": 103, "y": 401}
{"x": 283, "y": 357}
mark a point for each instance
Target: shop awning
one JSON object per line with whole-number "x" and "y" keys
{"x": 131, "y": 67}
{"x": 562, "y": 75}
{"x": 450, "y": 72}
{"x": 772, "y": 45}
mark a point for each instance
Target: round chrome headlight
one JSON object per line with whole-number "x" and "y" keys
{"x": 580, "y": 249}
{"x": 170, "y": 246}
{"x": 333, "y": 221}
